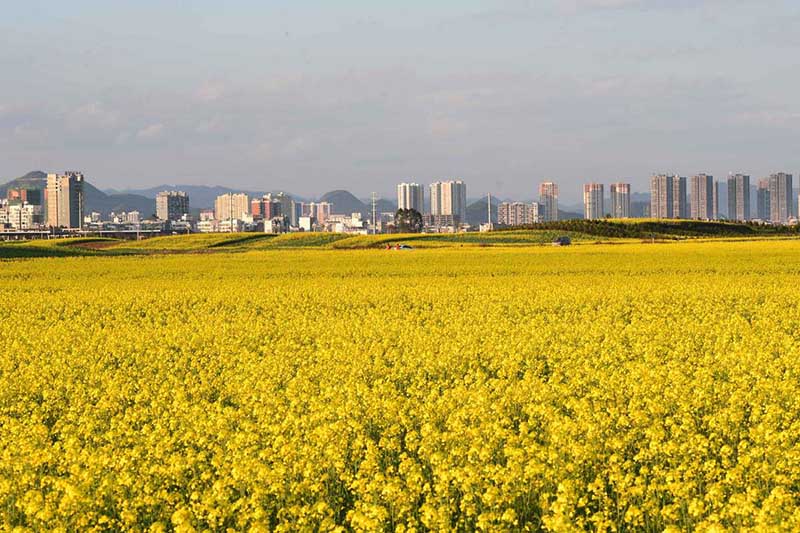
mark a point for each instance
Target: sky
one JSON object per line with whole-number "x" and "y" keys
{"x": 309, "y": 96}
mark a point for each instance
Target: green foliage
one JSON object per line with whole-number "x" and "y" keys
{"x": 193, "y": 242}
{"x": 408, "y": 221}
{"x": 300, "y": 240}
{"x": 664, "y": 229}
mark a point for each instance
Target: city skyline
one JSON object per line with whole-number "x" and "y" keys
{"x": 314, "y": 97}
{"x": 572, "y": 196}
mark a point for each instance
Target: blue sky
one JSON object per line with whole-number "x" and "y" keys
{"x": 311, "y": 96}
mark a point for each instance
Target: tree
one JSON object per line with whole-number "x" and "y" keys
{"x": 408, "y": 221}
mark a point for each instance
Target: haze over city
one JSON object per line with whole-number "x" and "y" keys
{"x": 362, "y": 96}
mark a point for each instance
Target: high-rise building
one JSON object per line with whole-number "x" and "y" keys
{"x": 286, "y": 206}
{"x": 24, "y": 194}
{"x": 593, "y": 207}
{"x": 517, "y": 213}
{"x": 738, "y": 197}
{"x": 64, "y": 197}
{"x": 322, "y": 211}
{"x": 411, "y": 196}
{"x": 715, "y": 202}
{"x": 762, "y": 200}
{"x": 172, "y": 205}
{"x": 661, "y": 196}
{"x": 702, "y": 197}
{"x": 296, "y": 213}
{"x": 548, "y": 198}
{"x": 319, "y": 211}
{"x": 620, "y": 200}
{"x": 780, "y": 197}
{"x": 680, "y": 203}
{"x": 266, "y": 208}
{"x": 449, "y": 198}
{"x": 231, "y": 206}
{"x": 272, "y": 205}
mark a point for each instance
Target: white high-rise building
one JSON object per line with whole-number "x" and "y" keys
{"x": 702, "y": 197}
{"x": 593, "y": 205}
{"x": 738, "y": 197}
{"x": 449, "y": 198}
{"x": 64, "y": 196}
{"x": 411, "y": 196}
{"x": 780, "y": 197}
{"x": 232, "y": 206}
{"x": 548, "y": 198}
{"x": 661, "y": 196}
{"x": 620, "y": 200}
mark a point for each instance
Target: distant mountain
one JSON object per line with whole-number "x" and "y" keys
{"x": 31, "y": 180}
{"x": 344, "y": 202}
{"x": 382, "y": 205}
{"x": 572, "y": 208}
{"x": 476, "y": 211}
{"x": 568, "y": 215}
{"x": 96, "y": 200}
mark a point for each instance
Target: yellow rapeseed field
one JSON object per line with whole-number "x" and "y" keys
{"x": 625, "y": 387}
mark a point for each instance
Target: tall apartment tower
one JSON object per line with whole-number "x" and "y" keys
{"x": 661, "y": 196}
{"x": 65, "y": 200}
{"x": 620, "y": 200}
{"x": 548, "y": 198}
{"x": 286, "y": 203}
{"x": 411, "y": 196}
{"x": 762, "y": 200}
{"x": 702, "y": 197}
{"x": 780, "y": 197}
{"x": 231, "y": 206}
{"x": 449, "y": 198}
{"x": 680, "y": 202}
{"x": 593, "y": 207}
{"x": 715, "y": 202}
{"x": 738, "y": 197}
{"x": 172, "y": 205}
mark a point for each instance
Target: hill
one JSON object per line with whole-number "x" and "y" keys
{"x": 344, "y": 202}
{"x": 31, "y": 180}
{"x": 476, "y": 211}
{"x": 96, "y": 200}
{"x": 381, "y": 206}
